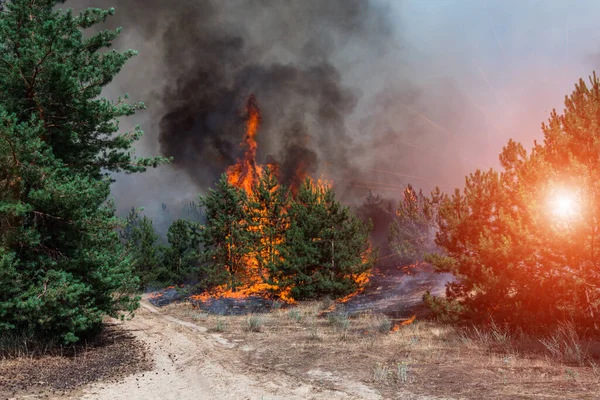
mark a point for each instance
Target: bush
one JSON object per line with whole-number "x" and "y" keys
{"x": 254, "y": 323}
{"x": 339, "y": 320}
{"x": 295, "y": 315}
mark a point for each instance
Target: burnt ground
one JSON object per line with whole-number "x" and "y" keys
{"x": 397, "y": 291}
{"x": 115, "y": 353}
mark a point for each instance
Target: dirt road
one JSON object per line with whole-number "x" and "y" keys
{"x": 191, "y": 363}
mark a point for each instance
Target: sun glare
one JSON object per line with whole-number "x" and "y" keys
{"x": 564, "y": 204}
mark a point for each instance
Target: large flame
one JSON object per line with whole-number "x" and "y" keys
{"x": 246, "y": 172}
{"x": 244, "y": 175}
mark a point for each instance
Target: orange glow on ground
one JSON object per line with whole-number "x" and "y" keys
{"x": 409, "y": 321}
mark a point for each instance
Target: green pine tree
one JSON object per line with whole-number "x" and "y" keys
{"x": 181, "y": 258}
{"x": 225, "y": 236}
{"x": 141, "y": 243}
{"x": 62, "y": 268}
{"x": 328, "y": 250}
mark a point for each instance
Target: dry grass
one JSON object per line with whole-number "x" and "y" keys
{"x": 424, "y": 357}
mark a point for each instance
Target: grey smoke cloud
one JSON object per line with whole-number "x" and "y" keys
{"x": 368, "y": 93}
{"x": 201, "y": 59}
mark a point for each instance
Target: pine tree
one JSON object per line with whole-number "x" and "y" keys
{"x": 514, "y": 258}
{"x": 268, "y": 218}
{"x": 412, "y": 230}
{"x": 328, "y": 250}
{"x": 226, "y": 236}
{"x": 181, "y": 258}
{"x": 62, "y": 268}
{"x": 140, "y": 241}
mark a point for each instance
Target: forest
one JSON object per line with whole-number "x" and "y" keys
{"x": 522, "y": 243}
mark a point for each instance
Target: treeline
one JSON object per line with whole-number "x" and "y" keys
{"x": 404, "y": 230}
{"x": 292, "y": 248}
{"x": 64, "y": 266}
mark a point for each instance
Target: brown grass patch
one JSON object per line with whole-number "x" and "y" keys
{"x": 422, "y": 358}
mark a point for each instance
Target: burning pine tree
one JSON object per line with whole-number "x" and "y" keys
{"x": 260, "y": 239}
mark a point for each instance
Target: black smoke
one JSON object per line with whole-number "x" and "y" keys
{"x": 214, "y": 54}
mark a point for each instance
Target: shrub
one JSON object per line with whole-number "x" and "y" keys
{"x": 255, "y": 323}
{"x": 339, "y": 320}
{"x": 383, "y": 324}
{"x": 295, "y": 315}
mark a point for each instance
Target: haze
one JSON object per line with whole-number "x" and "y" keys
{"x": 428, "y": 91}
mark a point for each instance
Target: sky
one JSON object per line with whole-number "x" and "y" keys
{"x": 436, "y": 95}
{"x": 513, "y": 60}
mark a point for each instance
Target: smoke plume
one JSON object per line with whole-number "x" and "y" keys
{"x": 372, "y": 94}
{"x": 210, "y": 56}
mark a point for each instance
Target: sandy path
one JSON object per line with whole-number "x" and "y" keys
{"x": 193, "y": 364}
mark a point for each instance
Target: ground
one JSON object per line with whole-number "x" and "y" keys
{"x": 301, "y": 353}
{"x": 359, "y": 358}
{"x": 57, "y": 373}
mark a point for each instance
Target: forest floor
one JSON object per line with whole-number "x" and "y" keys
{"x": 179, "y": 352}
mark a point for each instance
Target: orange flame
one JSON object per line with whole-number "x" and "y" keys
{"x": 245, "y": 175}
{"x": 409, "y": 321}
{"x": 360, "y": 279}
{"x": 246, "y": 172}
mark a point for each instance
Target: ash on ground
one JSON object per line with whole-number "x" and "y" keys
{"x": 394, "y": 291}
{"x": 216, "y": 305}
{"x": 169, "y": 295}
{"x": 398, "y": 291}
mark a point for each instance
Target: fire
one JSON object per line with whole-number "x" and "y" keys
{"x": 246, "y": 172}
{"x": 409, "y": 321}
{"x": 361, "y": 279}
{"x": 244, "y": 175}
